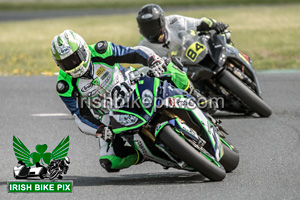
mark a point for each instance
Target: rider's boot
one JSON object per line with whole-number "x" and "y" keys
{"x": 116, "y": 156}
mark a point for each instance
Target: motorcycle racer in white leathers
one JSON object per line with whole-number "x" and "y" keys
{"x": 160, "y": 32}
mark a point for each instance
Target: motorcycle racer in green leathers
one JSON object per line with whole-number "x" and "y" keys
{"x": 89, "y": 74}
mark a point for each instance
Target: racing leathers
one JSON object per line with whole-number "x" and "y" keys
{"x": 173, "y": 25}
{"x": 84, "y": 96}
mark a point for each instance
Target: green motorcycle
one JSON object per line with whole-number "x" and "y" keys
{"x": 166, "y": 126}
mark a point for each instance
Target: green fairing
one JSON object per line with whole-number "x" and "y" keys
{"x": 120, "y": 130}
{"x": 211, "y": 139}
{"x": 165, "y": 123}
{"x": 63, "y": 76}
{"x": 155, "y": 87}
{"x": 179, "y": 78}
{"x": 119, "y": 163}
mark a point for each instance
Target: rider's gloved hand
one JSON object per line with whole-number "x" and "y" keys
{"x": 157, "y": 65}
{"x": 219, "y": 27}
{"x": 105, "y": 133}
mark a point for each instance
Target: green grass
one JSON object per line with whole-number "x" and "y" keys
{"x": 79, "y": 4}
{"x": 268, "y": 34}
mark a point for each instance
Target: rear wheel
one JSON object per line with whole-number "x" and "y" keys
{"x": 43, "y": 173}
{"x": 253, "y": 101}
{"x": 230, "y": 159}
{"x": 193, "y": 158}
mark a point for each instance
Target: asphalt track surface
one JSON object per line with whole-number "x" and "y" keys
{"x": 269, "y": 148}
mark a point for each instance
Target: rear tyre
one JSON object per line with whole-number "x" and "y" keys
{"x": 253, "y": 101}
{"x": 190, "y": 155}
{"x": 230, "y": 159}
{"x": 43, "y": 173}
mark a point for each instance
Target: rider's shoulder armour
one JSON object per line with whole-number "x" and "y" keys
{"x": 62, "y": 86}
{"x": 101, "y": 47}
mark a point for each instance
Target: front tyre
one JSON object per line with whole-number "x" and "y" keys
{"x": 53, "y": 174}
{"x": 190, "y": 155}
{"x": 253, "y": 101}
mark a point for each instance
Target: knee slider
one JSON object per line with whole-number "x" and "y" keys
{"x": 106, "y": 164}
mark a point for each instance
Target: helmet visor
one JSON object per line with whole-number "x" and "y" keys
{"x": 73, "y": 61}
{"x": 151, "y": 29}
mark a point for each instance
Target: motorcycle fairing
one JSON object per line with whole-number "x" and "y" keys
{"x": 147, "y": 83}
{"x": 119, "y": 127}
{"x": 192, "y": 48}
{"x": 220, "y": 51}
{"x": 127, "y": 118}
{"x": 210, "y": 131}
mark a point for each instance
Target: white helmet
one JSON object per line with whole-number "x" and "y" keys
{"x": 71, "y": 53}
{"x": 67, "y": 160}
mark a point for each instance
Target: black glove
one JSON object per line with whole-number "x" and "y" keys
{"x": 219, "y": 27}
{"x": 157, "y": 65}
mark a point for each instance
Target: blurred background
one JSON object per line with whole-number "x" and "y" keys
{"x": 266, "y": 30}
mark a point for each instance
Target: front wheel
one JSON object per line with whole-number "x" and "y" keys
{"x": 53, "y": 174}
{"x": 254, "y": 102}
{"x": 193, "y": 158}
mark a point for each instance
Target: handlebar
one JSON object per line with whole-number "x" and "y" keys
{"x": 135, "y": 76}
{"x": 213, "y": 32}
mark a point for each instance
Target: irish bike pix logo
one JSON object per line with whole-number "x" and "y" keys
{"x": 40, "y": 165}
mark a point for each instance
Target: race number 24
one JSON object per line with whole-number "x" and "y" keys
{"x": 194, "y": 50}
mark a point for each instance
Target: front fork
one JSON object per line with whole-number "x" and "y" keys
{"x": 188, "y": 133}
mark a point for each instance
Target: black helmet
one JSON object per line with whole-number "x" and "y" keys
{"x": 151, "y": 21}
